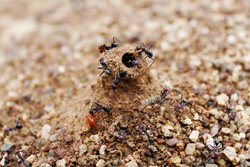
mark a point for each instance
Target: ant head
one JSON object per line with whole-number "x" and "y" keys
{"x": 114, "y": 45}
{"x": 102, "y": 48}
{"x": 184, "y": 100}
{"x": 229, "y": 109}
{"x": 165, "y": 89}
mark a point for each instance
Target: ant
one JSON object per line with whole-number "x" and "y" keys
{"x": 123, "y": 129}
{"x": 163, "y": 95}
{"x": 232, "y": 113}
{"x": 118, "y": 78}
{"x": 143, "y": 128}
{"x": 104, "y": 66}
{"x": 96, "y": 108}
{"x": 181, "y": 104}
{"x": 18, "y": 126}
{"x": 149, "y": 54}
{"x": 7, "y": 159}
{"x": 104, "y": 47}
{"x": 215, "y": 147}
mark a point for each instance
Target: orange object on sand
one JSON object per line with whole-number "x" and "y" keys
{"x": 91, "y": 121}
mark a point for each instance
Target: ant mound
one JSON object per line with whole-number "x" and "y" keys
{"x": 125, "y": 87}
{"x": 124, "y": 113}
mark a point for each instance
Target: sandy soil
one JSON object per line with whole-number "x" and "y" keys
{"x": 49, "y": 82}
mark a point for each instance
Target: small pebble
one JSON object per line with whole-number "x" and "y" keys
{"x": 211, "y": 165}
{"x": 166, "y": 130}
{"x": 61, "y": 163}
{"x": 187, "y": 121}
{"x": 172, "y": 142}
{"x": 230, "y": 153}
{"x": 194, "y": 135}
{"x": 100, "y": 163}
{"x": 102, "y": 149}
{"x": 214, "y": 130}
{"x": 45, "y": 131}
{"x": 53, "y": 138}
{"x": 131, "y": 163}
{"x": 31, "y": 159}
{"x": 25, "y": 131}
{"x": 200, "y": 146}
{"x": 7, "y": 147}
{"x": 83, "y": 149}
{"x": 190, "y": 148}
{"x": 242, "y": 135}
{"x": 94, "y": 138}
{"x": 152, "y": 148}
{"x": 222, "y": 99}
{"x": 226, "y": 130}
{"x": 196, "y": 117}
{"x": 236, "y": 137}
{"x": 52, "y": 153}
{"x": 174, "y": 161}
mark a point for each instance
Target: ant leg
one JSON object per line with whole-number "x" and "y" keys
{"x": 122, "y": 84}
{"x": 102, "y": 73}
{"x": 150, "y": 46}
{"x": 140, "y": 56}
{"x": 151, "y": 63}
{"x": 114, "y": 38}
{"x": 135, "y": 70}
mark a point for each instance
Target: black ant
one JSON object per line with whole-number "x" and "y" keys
{"x": 18, "y": 126}
{"x": 149, "y": 54}
{"x": 104, "y": 47}
{"x": 118, "y": 78}
{"x": 215, "y": 147}
{"x": 25, "y": 163}
{"x": 123, "y": 129}
{"x": 163, "y": 95}
{"x": 104, "y": 66}
{"x": 181, "y": 104}
{"x": 232, "y": 113}
{"x": 143, "y": 128}
{"x": 97, "y": 108}
{"x": 7, "y": 159}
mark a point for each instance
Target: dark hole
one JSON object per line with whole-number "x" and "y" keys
{"x": 127, "y": 59}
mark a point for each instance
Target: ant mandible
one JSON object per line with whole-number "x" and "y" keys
{"x": 104, "y": 47}
{"x": 104, "y": 66}
{"x": 149, "y": 54}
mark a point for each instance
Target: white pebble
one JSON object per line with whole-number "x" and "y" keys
{"x": 230, "y": 153}
{"x": 100, "y": 163}
{"x": 194, "y": 135}
{"x": 31, "y": 159}
{"x": 226, "y": 130}
{"x": 234, "y": 97}
{"x": 102, "y": 149}
{"x": 61, "y": 163}
{"x": 82, "y": 149}
{"x": 188, "y": 121}
{"x": 190, "y": 148}
{"x": 196, "y": 117}
{"x": 94, "y": 138}
{"x": 222, "y": 99}
{"x": 45, "y": 131}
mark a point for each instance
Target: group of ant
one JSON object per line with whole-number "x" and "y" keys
{"x": 96, "y": 108}
{"x": 139, "y": 49}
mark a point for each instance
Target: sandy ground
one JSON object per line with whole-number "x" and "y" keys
{"x": 49, "y": 80}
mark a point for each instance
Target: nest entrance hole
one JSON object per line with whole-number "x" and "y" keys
{"x": 127, "y": 59}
